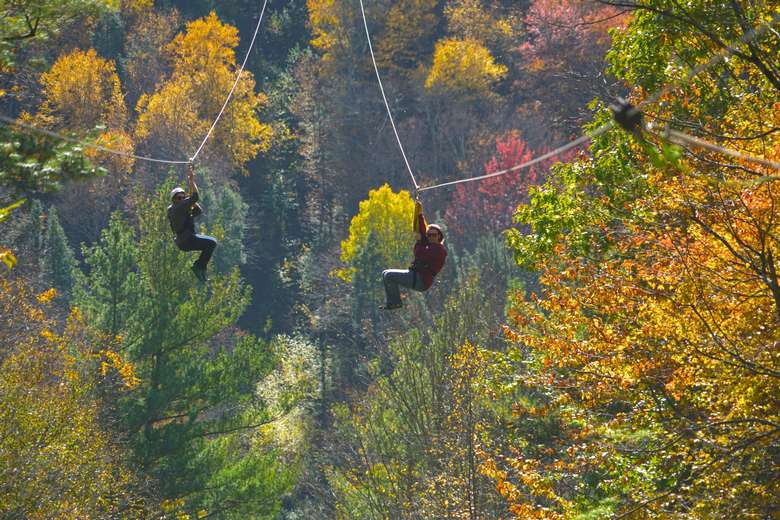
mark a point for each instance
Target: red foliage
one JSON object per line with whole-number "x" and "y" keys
{"x": 488, "y": 205}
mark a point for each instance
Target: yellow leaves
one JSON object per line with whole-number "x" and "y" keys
{"x": 47, "y": 296}
{"x": 113, "y": 140}
{"x": 169, "y": 119}
{"x": 385, "y": 215}
{"x": 206, "y": 46}
{"x": 177, "y": 116}
{"x": 126, "y": 370}
{"x": 463, "y": 67}
{"x": 7, "y": 257}
{"x": 82, "y": 90}
{"x": 324, "y": 22}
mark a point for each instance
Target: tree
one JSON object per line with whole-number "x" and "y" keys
{"x": 561, "y": 63}
{"x": 21, "y": 22}
{"x": 82, "y": 90}
{"x": 57, "y": 459}
{"x": 59, "y": 262}
{"x": 192, "y": 416}
{"x": 654, "y": 327}
{"x": 463, "y": 67}
{"x": 408, "y": 447}
{"x": 410, "y": 31}
{"x": 176, "y": 117}
{"x": 387, "y": 216}
{"x": 487, "y": 206}
{"x": 110, "y": 294}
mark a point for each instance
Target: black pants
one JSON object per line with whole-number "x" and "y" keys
{"x": 204, "y": 244}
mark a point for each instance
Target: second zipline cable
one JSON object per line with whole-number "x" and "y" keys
{"x": 384, "y": 97}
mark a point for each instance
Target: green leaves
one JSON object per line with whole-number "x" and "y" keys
{"x": 39, "y": 163}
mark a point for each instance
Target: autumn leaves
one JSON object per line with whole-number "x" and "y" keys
{"x": 194, "y": 72}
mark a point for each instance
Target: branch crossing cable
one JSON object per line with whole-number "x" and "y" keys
{"x": 235, "y": 84}
{"x": 85, "y": 144}
{"x": 384, "y": 97}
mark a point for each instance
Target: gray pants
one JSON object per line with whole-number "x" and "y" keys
{"x": 393, "y": 278}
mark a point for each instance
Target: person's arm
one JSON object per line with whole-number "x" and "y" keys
{"x": 194, "y": 193}
{"x": 419, "y": 222}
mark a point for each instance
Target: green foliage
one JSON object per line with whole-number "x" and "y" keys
{"x": 225, "y": 210}
{"x": 59, "y": 262}
{"x": 41, "y": 20}
{"x": 109, "y": 296}
{"x": 578, "y": 199}
{"x": 408, "y": 442}
{"x": 191, "y": 417}
{"x": 34, "y": 163}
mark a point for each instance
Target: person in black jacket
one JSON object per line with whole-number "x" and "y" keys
{"x": 181, "y": 214}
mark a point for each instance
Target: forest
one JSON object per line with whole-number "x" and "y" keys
{"x": 602, "y": 342}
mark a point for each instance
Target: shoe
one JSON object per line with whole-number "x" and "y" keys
{"x": 391, "y": 306}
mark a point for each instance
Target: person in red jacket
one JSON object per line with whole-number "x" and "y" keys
{"x": 429, "y": 257}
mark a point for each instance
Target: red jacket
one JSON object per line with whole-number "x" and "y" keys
{"x": 428, "y": 256}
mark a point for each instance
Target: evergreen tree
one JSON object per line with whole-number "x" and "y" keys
{"x": 58, "y": 261}
{"x": 110, "y": 294}
{"x": 367, "y": 280}
{"x": 226, "y": 214}
{"x": 191, "y": 418}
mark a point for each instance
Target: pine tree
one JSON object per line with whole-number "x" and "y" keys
{"x": 110, "y": 294}
{"x": 191, "y": 419}
{"x": 59, "y": 261}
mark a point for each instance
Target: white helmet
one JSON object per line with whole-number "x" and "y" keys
{"x": 175, "y": 191}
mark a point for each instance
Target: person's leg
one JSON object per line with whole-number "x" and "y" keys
{"x": 206, "y": 245}
{"x": 392, "y": 279}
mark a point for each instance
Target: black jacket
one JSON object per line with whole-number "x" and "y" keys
{"x": 182, "y": 215}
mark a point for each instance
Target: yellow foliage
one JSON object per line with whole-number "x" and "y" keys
{"x": 63, "y": 463}
{"x": 206, "y": 46}
{"x": 385, "y": 215}
{"x": 323, "y": 20}
{"x": 409, "y": 28}
{"x": 136, "y": 7}
{"x": 175, "y": 119}
{"x": 82, "y": 90}
{"x": 169, "y": 119}
{"x": 117, "y": 140}
{"x": 464, "y": 67}
{"x": 470, "y": 19}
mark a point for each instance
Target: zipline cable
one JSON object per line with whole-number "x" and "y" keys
{"x": 235, "y": 84}
{"x": 384, "y": 97}
{"x": 577, "y": 142}
{"x": 746, "y": 38}
{"x": 85, "y": 144}
{"x": 678, "y": 137}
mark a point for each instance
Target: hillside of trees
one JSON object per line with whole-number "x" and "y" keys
{"x": 603, "y": 341}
